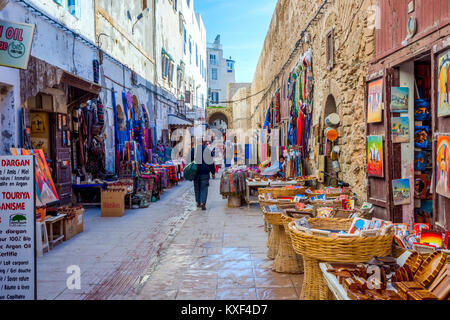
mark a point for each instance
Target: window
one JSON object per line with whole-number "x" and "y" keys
{"x": 213, "y": 74}
{"x": 330, "y": 49}
{"x": 74, "y": 8}
{"x": 170, "y": 72}
{"x": 212, "y": 59}
{"x": 230, "y": 66}
{"x": 185, "y": 39}
{"x": 179, "y": 78}
{"x": 190, "y": 51}
{"x": 213, "y": 96}
{"x": 166, "y": 67}
{"x": 196, "y": 55}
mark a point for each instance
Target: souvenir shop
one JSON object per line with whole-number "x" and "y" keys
{"x": 287, "y": 125}
{"x": 408, "y": 125}
{"x": 283, "y": 143}
{"x": 141, "y": 159}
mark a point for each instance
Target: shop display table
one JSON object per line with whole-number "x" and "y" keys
{"x": 338, "y": 290}
{"x": 57, "y": 221}
{"x": 77, "y": 188}
{"x": 250, "y": 185}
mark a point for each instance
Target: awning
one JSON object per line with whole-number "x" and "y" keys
{"x": 41, "y": 75}
{"x": 174, "y": 120}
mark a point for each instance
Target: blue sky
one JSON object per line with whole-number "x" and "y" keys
{"x": 242, "y": 25}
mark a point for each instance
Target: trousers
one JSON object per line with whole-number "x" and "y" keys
{"x": 201, "y": 185}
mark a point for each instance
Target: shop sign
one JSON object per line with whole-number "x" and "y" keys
{"x": 15, "y": 44}
{"x": 17, "y": 228}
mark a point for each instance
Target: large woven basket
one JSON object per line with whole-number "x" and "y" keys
{"x": 351, "y": 250}
{"x": 287, "y": 219}
{"x": 282, "y": 192}
{"x": 316, "y": 249}
{"x": 273, "y": 218}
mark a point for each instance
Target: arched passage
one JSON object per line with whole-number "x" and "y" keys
{"x": 330, "y": 105}
{"x": 219, "y": 121}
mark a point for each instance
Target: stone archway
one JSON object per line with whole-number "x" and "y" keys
{"x": 223, "y": 114}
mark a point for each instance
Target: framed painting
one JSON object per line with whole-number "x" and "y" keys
{"x": 399, "y": 99}
{"x": 443, "y": 166}
{"x": 444, "y": 85}
{"x": 400, "y": 129}
{"x": 402, "y": 191}
{"x": 375, "y": 102}
{"x": 375, "y": 164}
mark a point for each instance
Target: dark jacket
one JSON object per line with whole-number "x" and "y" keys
{"x": 203, "y": 167}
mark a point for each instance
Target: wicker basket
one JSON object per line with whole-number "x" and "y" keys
{"x": 273, "y": 218}
{"x": 286, "y": 261}
{"x": 282, "y": 192}
{"x": 315, "y": 249}
{"x": 234, "y": 201}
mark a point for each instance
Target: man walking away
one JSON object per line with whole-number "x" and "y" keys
{"x": 203, "y": 157}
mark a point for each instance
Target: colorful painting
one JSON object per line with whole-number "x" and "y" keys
{"x": 374, "y": 103}
{"x": 375, "y": 156}
{"x": 420, "y": 160}
{"x": 400, "y": 129}
{"x": 402, "y": 191}
{"x": 420, "y": 186}
{"x": 421, "y": 137}
{"x": 443, "y": 166}
{"x": 426, "y": 208}
{"x": 422, "y": 110}
{"x": 399, "y": 99}
{"x": 45, "y": 189}
{"x": 444, "y": 85}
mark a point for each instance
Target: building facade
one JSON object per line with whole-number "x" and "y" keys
{"x": 221, "y": 72}
{"x": 100, "y": 55}
{"x": 341, "y": 40}
{"x": 412, "y": 59}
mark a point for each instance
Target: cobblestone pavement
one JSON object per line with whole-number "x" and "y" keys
{"x": 113, "y": 253}
{"x": 219, "y": 254}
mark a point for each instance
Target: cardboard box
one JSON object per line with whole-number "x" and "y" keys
{"x": 69, "y": 229}
{"x": 79, "y": 216}
{"x": 113, "y": 203}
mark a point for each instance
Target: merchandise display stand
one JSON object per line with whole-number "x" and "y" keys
{"x": 54, "y": 221}
{"x": 316, "y": 249}
{"x": 339, "y": 291}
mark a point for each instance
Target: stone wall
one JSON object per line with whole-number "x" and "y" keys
{"x": 354, "y": 48}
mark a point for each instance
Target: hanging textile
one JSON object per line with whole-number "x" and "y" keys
{"x": 284, "y": 112}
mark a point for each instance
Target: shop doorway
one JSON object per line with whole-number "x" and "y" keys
{"x": 50, "y": 133}
{"x": 412, "y": 141}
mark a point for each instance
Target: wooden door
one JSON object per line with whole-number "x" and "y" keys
{"x": 379, "y": 189}
{"x": 62, "y": 169}
{"x": 441, "y": 128}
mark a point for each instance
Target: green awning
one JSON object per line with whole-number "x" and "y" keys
{"x": 163, "y": 51}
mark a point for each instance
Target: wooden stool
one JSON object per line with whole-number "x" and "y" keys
{"x": 58, "y": 220}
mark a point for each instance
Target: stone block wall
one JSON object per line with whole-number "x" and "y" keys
{"x": 354, "y": 40}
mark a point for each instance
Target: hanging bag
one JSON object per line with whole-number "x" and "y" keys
{"x": 191, "y": 171}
